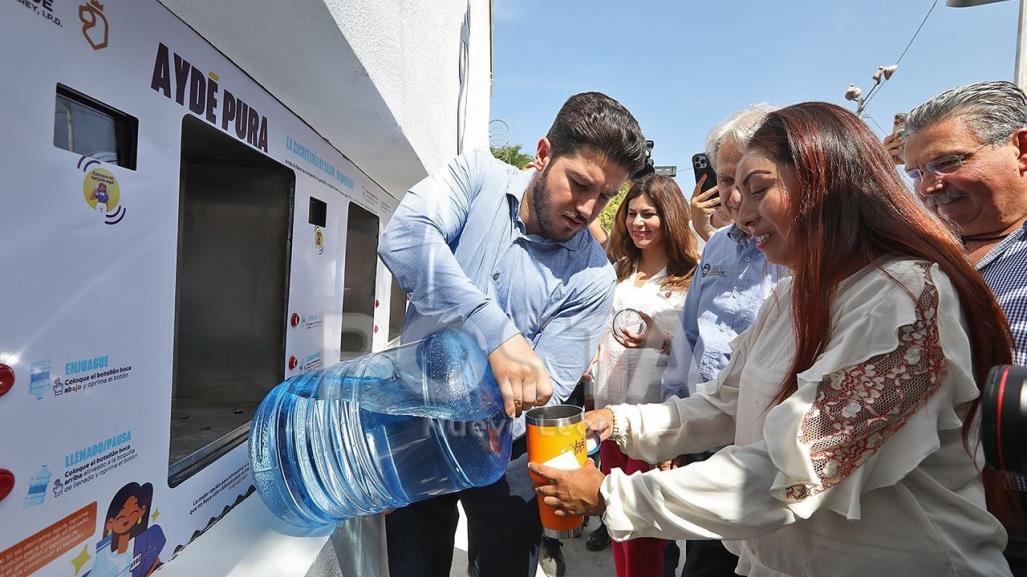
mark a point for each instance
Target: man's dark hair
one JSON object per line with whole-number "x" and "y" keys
{"x": 594, "y": 120}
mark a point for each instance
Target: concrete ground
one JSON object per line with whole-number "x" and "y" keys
{"x": 580, "y": 561}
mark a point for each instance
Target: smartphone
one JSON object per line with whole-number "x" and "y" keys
{"x": 701, "y": 165}
{"x": 900, "y": 123}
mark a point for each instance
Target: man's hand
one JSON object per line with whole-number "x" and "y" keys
{"x": 894, "y": 144}
{"x": 521, "y": 375}
{"x": 702, "y": 206}
{"x": 571, "y": 492}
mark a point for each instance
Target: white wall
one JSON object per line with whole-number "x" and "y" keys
{"x": 411, "y": 51}
{"x": 378, "y": 79}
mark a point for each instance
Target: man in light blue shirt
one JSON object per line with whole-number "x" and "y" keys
{"x": 733, "y": 277}
{"x": 505, "y": 253}
{"x": 732, "y": 282}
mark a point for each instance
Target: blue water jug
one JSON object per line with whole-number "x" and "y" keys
{"x": 37, "y": 487}
{"x": 380, "y": 432}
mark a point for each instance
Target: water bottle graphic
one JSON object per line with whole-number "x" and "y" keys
{"x": 39, "y": 378}
{"x": 37, "y": 487}
{"x": 380, "y": 432}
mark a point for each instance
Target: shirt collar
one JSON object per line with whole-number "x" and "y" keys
{"x": 1000, "y": 248}
{"x": 515, "y": 190}
{"x": 737, "y": 234}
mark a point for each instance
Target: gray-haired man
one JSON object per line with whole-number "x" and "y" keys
{"x": 966, "y": 151}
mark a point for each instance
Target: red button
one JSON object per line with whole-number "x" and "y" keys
{"x": 294, "y": 320}
{"x": 6, "y": 379}
{"x": 293, "y": 361}
{"x": 6, "y": 483}
{"x": 376, "y": 303}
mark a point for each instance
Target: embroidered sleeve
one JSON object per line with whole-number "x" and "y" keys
{"x": 858, "y": 408}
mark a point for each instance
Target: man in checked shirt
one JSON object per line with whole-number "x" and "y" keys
{"x": 966, "y": 152}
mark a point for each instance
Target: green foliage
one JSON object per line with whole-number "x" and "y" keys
{"x": 606, "y": 217}
{"x": 512, "y": 155}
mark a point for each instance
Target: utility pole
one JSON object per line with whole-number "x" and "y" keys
{"x": 1020, "y": 71}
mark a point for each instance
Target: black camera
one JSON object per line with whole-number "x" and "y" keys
{"x": 649, "y": 168}
{"x": 1004, "y": 419}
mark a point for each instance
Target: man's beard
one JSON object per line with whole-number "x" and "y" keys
{"x": 540, "y": 203}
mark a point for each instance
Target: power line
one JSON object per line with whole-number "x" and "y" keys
{"x": 867, "y": 114}
{"x": 904, "y": 50}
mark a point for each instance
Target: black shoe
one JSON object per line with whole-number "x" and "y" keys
{"x": 598, "y": 540}
{"x": 551, "y": 558}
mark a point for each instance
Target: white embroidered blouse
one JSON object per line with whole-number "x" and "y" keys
{"x": 861, "y": 471}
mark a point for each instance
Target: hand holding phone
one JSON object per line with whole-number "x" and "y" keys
{"x": 900, "y": 123}
{"x": 701, "y": 166}
{"x": 705, "y": 198}
{"x": 896, "y": 141}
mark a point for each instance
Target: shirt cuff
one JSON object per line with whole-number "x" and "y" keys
{"x": 492, "y": 326}
{"x": 619, "y": 523}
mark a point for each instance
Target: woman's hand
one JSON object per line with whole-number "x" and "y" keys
{"x": 600, "y": 422}
{"x": 654, "y": 337}
{"x": 702, "y": 206}
{"x": 574, "y": 492}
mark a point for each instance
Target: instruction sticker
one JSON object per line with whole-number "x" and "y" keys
{"x": 32, "y": 554}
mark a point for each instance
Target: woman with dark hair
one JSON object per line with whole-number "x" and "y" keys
{"x": 654, "y": 255}
{"x": 130, "y": 546}
{"x": 851, "y": 401}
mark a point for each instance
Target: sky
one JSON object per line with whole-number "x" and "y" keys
{"x": 683, "y": 66}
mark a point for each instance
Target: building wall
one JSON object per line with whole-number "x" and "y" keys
{"x": 379, "y": 80}
{"x": 411, "y": 50}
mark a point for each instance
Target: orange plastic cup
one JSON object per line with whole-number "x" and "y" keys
{"x": 556, "y": 438}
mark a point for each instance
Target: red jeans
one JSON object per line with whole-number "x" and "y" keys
{"x": 642, "y": 557}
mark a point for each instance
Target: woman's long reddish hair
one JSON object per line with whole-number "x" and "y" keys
{"x": 682, "y": 254}
{"x": 851, "y": 207}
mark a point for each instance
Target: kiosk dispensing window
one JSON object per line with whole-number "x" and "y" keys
{"x": 86, "y": 126}
{"x": 235, "y": 231}
{"x": 359, "y": 279}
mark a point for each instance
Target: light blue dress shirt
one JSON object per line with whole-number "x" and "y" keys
{"x": 731, "y": 283}
{"x": 458, "y": 248}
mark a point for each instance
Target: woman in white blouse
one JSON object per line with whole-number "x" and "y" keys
{"x": 654, "y": 254}
{"x": 850, "y": 404}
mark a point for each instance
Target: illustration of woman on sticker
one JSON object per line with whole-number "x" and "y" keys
{"x": 130, "y": 546}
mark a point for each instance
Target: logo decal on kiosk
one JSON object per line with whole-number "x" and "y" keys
{"x": 102, "y": 192}
{"x": 319, "y": 239}
{"x": 94, "y": 24}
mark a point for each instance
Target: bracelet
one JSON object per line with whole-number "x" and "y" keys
{"x": 619, "y": 434}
